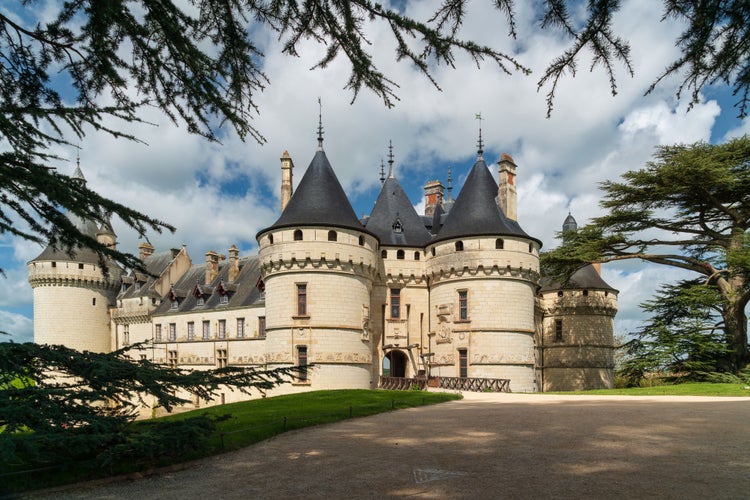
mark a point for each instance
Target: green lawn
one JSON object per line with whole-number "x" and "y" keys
{"x": 687, "y": 389}
{"x": 250, "y": 422}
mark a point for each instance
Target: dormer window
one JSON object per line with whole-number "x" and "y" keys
{"x": 174, "y": 298}
{"x": 224, "y": 300}
{"x": 397, "y": 226}
{"x": 201, "y": 301}
{"x": 261, "y": 286}
{"x": 225, "y": 292}
{"x": 175, "y": 305}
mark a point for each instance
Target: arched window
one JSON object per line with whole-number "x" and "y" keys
{"x": 298, "y": 235}
{"x": 361, "y": 241}
{"x": 332, "y": 236}
{"x": 416, "y": 255}
{"x": 585, "y": 293}
{"x": 499, "y": 244}
{"x": 270, "y": 239}
{"x": 459, "y": 246}
{"x": 384, "y": 254}
{"x": 400, "y": 255}
{"x": 433, "y": 251}
{"x": 531, "y": 247}
{"x": 560, "y": 294}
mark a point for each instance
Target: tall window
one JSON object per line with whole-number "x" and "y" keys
{"x": 262, "y": 327}
{"x": 499, "y": 244}
{"x": 361, "y": 241}
{"x": 222, "y": 329}
{"x": 158, "y": 333}
{"x": 298, "y": 235}
{"x": 302, "y": 361}
{"x": 395, "y": 303}
{"x": 400, "y": 255}
{"x": 191, "y": 330}
{"x": 301, "y": 299}
{"x": 172, "y": 359}
{"x": 240, "y": 327}
{"x": 125, "y": 334}
{"x": 332, "y": 236}
{"x": 221, "y": 358}
{"x": 558, "y": 330}
{"x": 459, "y": 246}
{"x": 463, "y": 305}
{"x": 206, "y": 330}
{"x": 463, "y": 363}
{"x": 172, "y": 332}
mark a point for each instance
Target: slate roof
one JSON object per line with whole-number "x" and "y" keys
{"x": 155, "y": 265}
{"x": 392, "y": 205}
{"x": 319, "y": 200}
{"x": 81, "y": 254}
{"x": 242, "y": 292}
{"x": 586, "y": 277}
{"x": 475, "y": 211}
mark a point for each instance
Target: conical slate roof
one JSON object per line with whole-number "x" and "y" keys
{"x": 393, "y": 219}
{"x": 319, "y": 200}
{"x": 475, "y": 211}
{"x": 586, "y": 277}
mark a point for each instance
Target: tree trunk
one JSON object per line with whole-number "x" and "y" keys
{"x": 735, "y": 323}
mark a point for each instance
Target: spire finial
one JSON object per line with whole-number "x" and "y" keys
{"x": 320, "y": 125}
{"x": 480, "y": 144}
{"x": 382, "y": 172}
{"x": 450, "y": 185}
{"x": 390, "y": 159}
{"x": 78, "y": 173}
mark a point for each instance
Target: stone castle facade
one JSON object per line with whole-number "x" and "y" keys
{"x": 454, "y": 292}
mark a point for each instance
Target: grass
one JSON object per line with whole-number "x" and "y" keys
{"x": 686, "y": 389}
{"x": 250, "y": 422}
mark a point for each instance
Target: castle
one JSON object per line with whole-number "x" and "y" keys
{"x": 455, "y": 292}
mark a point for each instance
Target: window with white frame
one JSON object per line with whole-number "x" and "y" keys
{"x": 191, "y": 330}
{"x": 172, "y": 332}
{"x": 206, "y": 330}
{"x": 157, "y": 333}
{"x": 240, "y": 327}
{"x": 222, "y": 333}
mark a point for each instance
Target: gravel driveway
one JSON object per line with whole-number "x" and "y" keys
{"x": 485, "y": 446}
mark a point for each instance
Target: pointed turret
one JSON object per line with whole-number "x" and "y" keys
{"x": 475, "y": 212}
{"x": 393, "y": 219}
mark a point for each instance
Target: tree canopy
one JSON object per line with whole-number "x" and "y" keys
{"x": 79, "y": 403}
{"x": 688, "y": 208}
{"x": 90, "y": 62}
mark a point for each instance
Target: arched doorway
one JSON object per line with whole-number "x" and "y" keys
{"x": 397, "y": 361}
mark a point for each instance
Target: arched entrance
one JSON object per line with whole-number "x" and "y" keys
{"x": 397, "y": 361}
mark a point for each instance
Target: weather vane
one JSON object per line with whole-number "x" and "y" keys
{"x": 480, "y": 144}
{"x": 320, "y": 124}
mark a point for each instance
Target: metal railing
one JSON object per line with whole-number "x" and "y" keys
{"x": 472, "y": 384}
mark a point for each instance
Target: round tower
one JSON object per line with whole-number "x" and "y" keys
{"x": 72, "y": 295}
{"x": 576, "y": 342}
{"x": 316, "y": 251}
{"x": 484, "y": 272}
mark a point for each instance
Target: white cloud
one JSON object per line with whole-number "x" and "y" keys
{"x": 591, "y": 137}
{"x": 18, "y": 327}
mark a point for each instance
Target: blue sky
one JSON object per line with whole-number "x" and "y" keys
{"x": 222, "y": 194}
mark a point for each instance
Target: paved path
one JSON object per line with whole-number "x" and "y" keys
{"x": 486, "y": 446}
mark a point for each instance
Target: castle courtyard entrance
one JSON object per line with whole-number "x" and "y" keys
{"x": 397, "y": 361}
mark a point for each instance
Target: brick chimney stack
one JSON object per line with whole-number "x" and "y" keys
{"x": 286, "y": 179}
{"x": 433, "y": 197}
{"x": 212, "y": 266}
{"x": 234, "y": 263}
{"x": 506, "y": 194}
{"x": 145, "y": 250}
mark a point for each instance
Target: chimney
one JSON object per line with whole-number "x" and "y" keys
{"x": 212, "y": 266}
{"x": 433, "y": 197}
{"x": 145, "y": 250}
{"x": 506, "y": 193}
{"x": 234, "y": 263}
{"x": 286, "y": 179}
